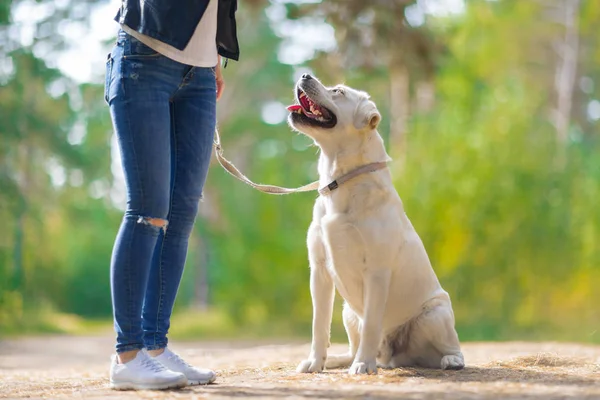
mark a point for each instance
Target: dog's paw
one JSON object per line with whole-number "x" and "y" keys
{"x": 454, "y": 361}
{"x": 311, "y": 365}
{"x": 363, "y": 368}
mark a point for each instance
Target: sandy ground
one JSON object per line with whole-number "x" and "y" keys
{"x": 58, "y": 367}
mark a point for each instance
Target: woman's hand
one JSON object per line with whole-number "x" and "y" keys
{"x": 219, "y": 77}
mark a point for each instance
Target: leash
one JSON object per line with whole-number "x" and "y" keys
{"x": 271, "y": 189}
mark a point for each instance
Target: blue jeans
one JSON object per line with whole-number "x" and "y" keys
{"x": 164, "y": 116}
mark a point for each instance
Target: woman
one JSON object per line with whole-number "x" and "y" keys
{"x": 162, "y": 81}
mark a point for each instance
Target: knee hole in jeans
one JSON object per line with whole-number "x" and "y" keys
{"x": 157, "y": 222}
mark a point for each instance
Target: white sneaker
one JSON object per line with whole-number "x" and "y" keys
{"x": 195, "y": 376}
{"x": 143, "y": 372}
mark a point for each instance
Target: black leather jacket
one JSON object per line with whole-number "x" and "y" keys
{"x": 174, "y": 22}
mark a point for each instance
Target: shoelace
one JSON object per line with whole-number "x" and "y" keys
{"x": 179, "y": 360}
{"x": 153, "y": 365}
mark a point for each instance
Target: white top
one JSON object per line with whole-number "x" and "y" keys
{"x": 201, "y": 51}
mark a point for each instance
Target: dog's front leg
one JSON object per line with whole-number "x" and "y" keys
{"x": 376, "y": 286}
{"x": 322, "y": 292}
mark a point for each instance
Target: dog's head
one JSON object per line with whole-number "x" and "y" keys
{"x": 324, "y": 111}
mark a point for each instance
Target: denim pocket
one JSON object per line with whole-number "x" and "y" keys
{"x": 139, "y": 50}
{"x": 108, "y": 77}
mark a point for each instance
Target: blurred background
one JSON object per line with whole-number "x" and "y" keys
{"x": 490, "y": 110}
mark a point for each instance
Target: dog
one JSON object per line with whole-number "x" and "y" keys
{"x": 361, "y": 243}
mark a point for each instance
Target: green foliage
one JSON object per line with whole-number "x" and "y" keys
{"x": 506, "y": 210}
{"x": 509, "y": 229}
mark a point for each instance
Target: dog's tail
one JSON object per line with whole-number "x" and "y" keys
{"x": 339, "y": 361}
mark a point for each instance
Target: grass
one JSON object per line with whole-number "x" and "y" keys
{"x": 52, "y": 322}
{"x": 216, "y": 324}
{"x": 188, "y": 324}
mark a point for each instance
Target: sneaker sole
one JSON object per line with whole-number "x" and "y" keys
{"x": 197, "y": 383}
{"x": 147, "y": 386}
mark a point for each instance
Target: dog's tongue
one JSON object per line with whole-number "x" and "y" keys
{"x": 294, "y": 107}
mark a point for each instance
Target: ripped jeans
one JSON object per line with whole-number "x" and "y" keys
{"x": 164, "y": 116}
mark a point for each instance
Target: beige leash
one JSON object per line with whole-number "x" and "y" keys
{"x": 271, "y": 189}
{"x": 229, "y": 167}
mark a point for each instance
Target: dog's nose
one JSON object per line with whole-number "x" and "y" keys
{"x": 306, "y": 76}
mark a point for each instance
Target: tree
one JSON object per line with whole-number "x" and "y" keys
{"x": 49, "y": 129}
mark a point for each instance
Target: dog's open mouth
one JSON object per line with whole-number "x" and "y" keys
{"x": 311, "y": 111}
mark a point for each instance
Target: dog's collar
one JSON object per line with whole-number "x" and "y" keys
{"x": 350, "y": 175}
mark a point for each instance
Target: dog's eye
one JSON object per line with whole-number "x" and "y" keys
{"x": 338, "y": 91}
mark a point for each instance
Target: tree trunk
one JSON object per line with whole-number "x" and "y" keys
{"x": 201, "y": 287}
{"x": 17, "y": 275}
{"x": 399, "y": 110}
{"x": 566, "y": 69}
{"x": 425, "y": 96}
{"x": 24, "y": 162}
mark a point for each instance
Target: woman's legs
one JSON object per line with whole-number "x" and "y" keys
{"x": 163, "y": 113}
{"x": 138, "y": 91}
{"x": 193, "y": 118}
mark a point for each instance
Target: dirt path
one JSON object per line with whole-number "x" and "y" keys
{"x": 77, "y": 367}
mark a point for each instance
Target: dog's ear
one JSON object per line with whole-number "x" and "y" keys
{"x": 374, "y": 118}
{"x": 366, "y": 114}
